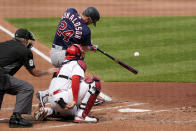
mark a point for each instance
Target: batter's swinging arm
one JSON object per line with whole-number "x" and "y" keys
{"x": 133, "y": 70}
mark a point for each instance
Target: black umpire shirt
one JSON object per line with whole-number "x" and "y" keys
{"x": 13, "y": 55}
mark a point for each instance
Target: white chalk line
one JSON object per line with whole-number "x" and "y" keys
{"x": 3, "y": 119}
{"x": 117, "y": 107}
{"x": 55, "y": 126}
{"x": 133, "y": 110}
{"x": 105, "y": 97}
{"x": 162, "y": 121}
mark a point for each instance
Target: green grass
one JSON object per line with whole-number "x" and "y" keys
{"x": 167, "y": 46}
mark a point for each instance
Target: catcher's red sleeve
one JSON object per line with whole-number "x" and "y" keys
{"x": 75, "y": 86}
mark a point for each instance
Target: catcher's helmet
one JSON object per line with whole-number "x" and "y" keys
{"x": 24, "y": 33}
{"x": 93, "y": 13}
{"x": 75, "y": 51}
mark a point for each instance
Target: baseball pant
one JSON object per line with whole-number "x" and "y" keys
{"x": 57, "y": 56}
{"x": 67, "y": 96}
{"x": 24, "y": 94}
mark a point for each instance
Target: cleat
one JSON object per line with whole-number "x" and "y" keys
{"x": 16, "y": 121}
{"x": 99, "y": 101}
{"x": 42, "y": 97}
{"x": 41, "y": 114}
{"x": 87, "y": 119}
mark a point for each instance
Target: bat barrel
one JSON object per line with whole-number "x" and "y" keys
{"x": 133, "y": 70}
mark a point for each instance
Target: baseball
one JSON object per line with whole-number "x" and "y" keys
{"x": 136, "y": 53}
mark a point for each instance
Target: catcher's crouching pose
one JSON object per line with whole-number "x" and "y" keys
{"x": 69, "y": 89}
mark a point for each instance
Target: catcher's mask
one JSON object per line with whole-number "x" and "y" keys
{"x": 75, "y": 51}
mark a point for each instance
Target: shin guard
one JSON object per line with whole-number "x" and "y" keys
{"x": 90, "y": 97}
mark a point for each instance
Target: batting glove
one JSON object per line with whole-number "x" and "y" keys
{"x": 93, "y": 47}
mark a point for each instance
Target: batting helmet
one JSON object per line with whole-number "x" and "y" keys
{"x": 93, "y": 13}
{"x": 24, "y": 33}
{"x": 75, "y": 51}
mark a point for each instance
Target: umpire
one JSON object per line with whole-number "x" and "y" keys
{"x": 13, "y": 55}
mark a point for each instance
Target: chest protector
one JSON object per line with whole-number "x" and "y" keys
{"x": 82, "y": 64}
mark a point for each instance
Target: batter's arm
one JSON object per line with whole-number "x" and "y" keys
{"x": 86, "y": 48}
{"x": 90, "y": 48}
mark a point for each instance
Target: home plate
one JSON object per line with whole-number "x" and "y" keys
{"x": 132, "y": 110}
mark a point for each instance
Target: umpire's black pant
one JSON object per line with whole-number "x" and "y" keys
{"x": 23, "y": 91}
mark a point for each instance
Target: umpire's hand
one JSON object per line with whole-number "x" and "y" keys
{"x": 37, "y": 73}
{"x": 52, "y": 70}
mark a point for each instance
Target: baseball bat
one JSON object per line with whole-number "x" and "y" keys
{"x": 133, "y": 70}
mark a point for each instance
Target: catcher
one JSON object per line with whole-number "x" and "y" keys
{"x": 69, "y": 93}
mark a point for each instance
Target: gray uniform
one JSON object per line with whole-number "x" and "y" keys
{"x": 57, "y": 55}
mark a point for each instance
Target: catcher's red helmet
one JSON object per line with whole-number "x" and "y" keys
{"x": 75, "y": 51}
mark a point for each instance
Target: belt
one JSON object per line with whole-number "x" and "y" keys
{"x": 61, "y": 76}
{"x": 56, "y": 92}
{"x": 58, "y": 47}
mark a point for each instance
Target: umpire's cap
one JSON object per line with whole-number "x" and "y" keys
{"x": 93, "y": 13}
{"x": 24, "y": 33}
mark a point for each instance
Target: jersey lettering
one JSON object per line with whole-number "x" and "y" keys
{"x": 62, "y": 26}
{"x": 66, "y": 15}
{"x": 72, "y": 29}
{"x": 77, "y": 26}
{"x": 67, "y": 34}
{"x": 74, "y": 20}
{"x": 71, "y": 18}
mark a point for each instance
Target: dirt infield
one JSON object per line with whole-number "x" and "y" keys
{"x": 165, "y": 106}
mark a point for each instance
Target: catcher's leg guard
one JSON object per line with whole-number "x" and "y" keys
{"x": 42, "y": 96}
{"x": 88, "y": 101}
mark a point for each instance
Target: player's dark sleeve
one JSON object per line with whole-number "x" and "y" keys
{"x": 28, "y": 60}
{"x": 86, "y": 41}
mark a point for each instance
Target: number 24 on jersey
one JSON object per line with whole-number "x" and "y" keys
{"x": 67, "y": 33}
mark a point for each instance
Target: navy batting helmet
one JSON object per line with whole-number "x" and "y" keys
{"x": 93, "y": 13}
